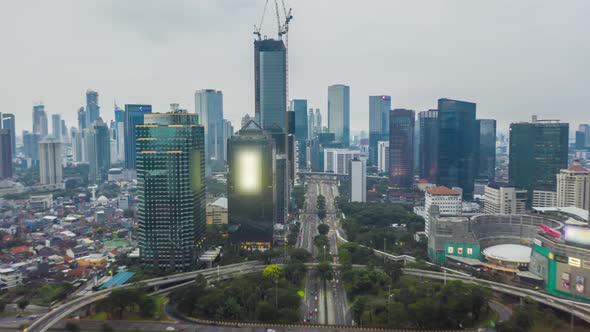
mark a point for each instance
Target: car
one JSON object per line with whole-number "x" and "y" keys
{"x": 170, "y": 328}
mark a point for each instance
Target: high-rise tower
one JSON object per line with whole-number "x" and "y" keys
{"x": 50, "y": 166}
{"x": 270, "y": 81}
{"x": 134, "y": 114}
{"x": 401, "y": 148}
{"x": 428, "y": 151}
{"x": 379, "y": 107}
{"x": 92, "y": 108}
{"x": 339, "y": 112}
{"x": 9, "y": 123}
{"x": 40, "y": 120}
{"x": 209, "y": 107}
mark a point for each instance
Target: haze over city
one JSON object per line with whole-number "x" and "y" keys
{"x": 513, "y": 58}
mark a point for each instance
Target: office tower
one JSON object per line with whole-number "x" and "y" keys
{"x": 447, "y": 201}
{"x": 251, "y": 187}
{"x": 98, "y": 151}
{"x": 171, "y": 190}
{"x": 502, "y": 198}
{"x": 379, "y": 107}
{"x": 486, "y": 166}
{"x": 580, "y": 143}
{"x": 50, "y": 166}
{"x": 538, "y": 151}
{"x": 82, "y": 119}
{"x": 428, "y": 151}
{"x": 338, "y": 160}
{"x": 299, "y": 108}
{"x": 383, "y": 157}
{"x": 209, "y": 107}
{"x": 64, "y": 131}
{"x": 573, "y": 187}
{"x": 358, "y": 180}
{"x": 458, "y": 145}
{"x": 134, "y": 114}
{"x": 318, "y": 121}
{"x": 6, "y": 168}
{"x": 8, "y": 122}
{"x": 270, "y": 80}
{"x": 31, "y": 145}
{"x": 56, "y": 127}
{"x": 281, "y": 188}
{"x": 92, "y": 108}
{"x": 228, "y": 132}
{"x": 78, "y": 146}
{"x": 310, "y": 124}
{"x": 585, "y": 128}
{"x": 40, "y": 120}
{"x": 401, "y": 148}
{"x": 339, "y": 112}
{"x": 120, "y": 133}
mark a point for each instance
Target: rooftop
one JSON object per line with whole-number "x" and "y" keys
{"x": 509, "y": 253}
{"x": 442, "y": 190}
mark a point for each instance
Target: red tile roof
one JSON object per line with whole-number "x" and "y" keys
{"x": 20, "y": 250}
{"x": 442, "y": 190}
{"x": 577, "y": 168}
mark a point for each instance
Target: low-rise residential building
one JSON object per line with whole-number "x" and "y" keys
{"x": 573, "y": 187}
{"x": 544, "y": 198}
{"x": 338, "y": 160}
{"x": 502, "y": 198}
{"x": 10, "y": 278}
{"x": 41, "y": 202}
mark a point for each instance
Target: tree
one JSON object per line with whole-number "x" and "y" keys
{"x": 106, "y": 327}
{"x": 358, "y": 307}
{"x": 299, "y": 255}
{"x": 325, "y": 271}
{"x": 72, "y": 327}
{"x": 323, "y": 229}
{"x": 22, "y": 304}
{"x": 294, "y": 272}
{"x": 273, "y": 272}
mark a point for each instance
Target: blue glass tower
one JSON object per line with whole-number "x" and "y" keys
{"x": 299, "y": 107}
{"x": 133, "y": 117}
{"x": 339, "y": 113}
{"x": 270, "y": 80}
{"x": 379, "y": 107}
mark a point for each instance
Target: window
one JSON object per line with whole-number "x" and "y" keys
{"x": 470, "y": 251}
{"x": 460, "y": 251}
{"x": 450, "y": 250}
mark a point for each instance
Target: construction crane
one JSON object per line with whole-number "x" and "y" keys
{"x": 257, "y": 28}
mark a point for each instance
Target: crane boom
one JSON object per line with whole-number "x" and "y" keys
{"x": 257, "y": 28}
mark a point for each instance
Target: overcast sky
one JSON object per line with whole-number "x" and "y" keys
{"x": 513, "y": 58}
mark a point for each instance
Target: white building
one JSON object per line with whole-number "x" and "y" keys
{"x": 10, "y": 278}
{"x": 573, "y": 187}
{"x": 448, "y": 201}
{"x": 358, "y": 180}
{"x": 50, "y": 165}
{"x": 504, "y": 199}
{"x": 383, "y": 156}
{"x": 543, "y": 198}
{"x": 338, "y": 160}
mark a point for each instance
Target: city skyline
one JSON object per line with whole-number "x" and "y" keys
{"x": 511, "y": 71}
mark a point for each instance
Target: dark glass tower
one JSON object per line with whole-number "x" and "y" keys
{"x": 428, "y": 150}
{"x": 458, "y": 145}
{"x": 134, "y": 114}
{"x": 40, "y": 120}
{"x": 209, "y": 107}
{"x": 401, "y": 148}
{"x": 538, "y": 151}
{"x": 270, "y": 81}
{"x": 251, "y": 186}
{"x": 379, "y": 107}
{"x": 171, "y": 190}
{"x": 486, "y": 166}
{"x": 6, "y": 169}
{"x": 299, "y": 107}
{"x": 8, "y": 122}
{"x": 92, "y": 108}
{"x": 339, "y": 112}
{"x": 98, "y": 150}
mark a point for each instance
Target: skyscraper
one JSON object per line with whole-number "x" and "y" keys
{"x": 92, "y": 108}
{"x": 299, "y": 107}
{"x": 78, "y": 146}
{"x": 82, "y": 119}
{"x": 310, "y": 124}
{"x": 56, "y": 127}
{"x": 428, "y": 145}
{"x": 8, "y": 122}
{"x": 6, "y": 168}
{"x": 486, "y": 167}
{"x": 171, "y": 190}
{"x": 120, "y": 133}
{"x": 401, "y": 148}
{"x": 538, "y": 151}
{"x": 31, "y": 145}
{"x": 50, "y": 166}
{"x": 251, "y": 187}
{"x": 228, "y": 132}
{"x": 270, "y": 80}
{"x": 358, "y": 180}
{"x": 573, "y": 187}
{"x": 209, "y": 107}
{"x": 98, "y": 151}
{"x": 134, "y": 114}
{"x": 64, "y": 131}
{"x": 318, "y": 121}
{"x": 379, "y": 107}
{"x": 339, "y": 112}
{"x": 458, "y": 145}
{"x": 40, "y": 120}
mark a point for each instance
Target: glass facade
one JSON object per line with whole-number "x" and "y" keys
{"x": 92, "y": 109}
{"x": 299, "y": 107}
{"x": 458, "y": 145}
{"x": 98, "y": 150}
{"x": 538, "y": 151}
{"x": 8, "y": 122}
{"x": 171, "y": 190}
{"x": 251, "y": 185}
{"x": 487, "y": 150}
{"x": 133, "y": 117}
{"x": 40, "y": 120}
{"x": 270, "y": 79}
{"x": 428, "y": 151}
{"x": 209, "y": 107}
{"x": 379, "y": 107}
{"x": 401, "y": 148}
{"x": 339, "y": 112}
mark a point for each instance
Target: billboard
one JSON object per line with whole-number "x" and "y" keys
{"x": 249, "y": 170}
{"x": 577, "y": 235}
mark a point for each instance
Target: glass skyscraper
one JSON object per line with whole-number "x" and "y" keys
{"x": 251, "y": 187}
{"x": 339, "y": 112}
{"x": 92, "y": 108}
{"x": 134, "y": 114}
{"x": 486, "y": 166}
{"x": 458, "y": 145}
{"x": 171, "y": 190}
{"x": 270, "y": 81}
{"x": 299, "y": 107}
{"x": 40, "y": 120}
{"x": 98, "y": 151}
{"x": 8, "y": 122}
{"x": 401, "y": 148}
{"x": 209, "y": 107}
{"x": 428, "y": 151}
{"x": 379, "y": 107}
{"x": 6, "y": 168}
{"x": 538, "y": 151}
